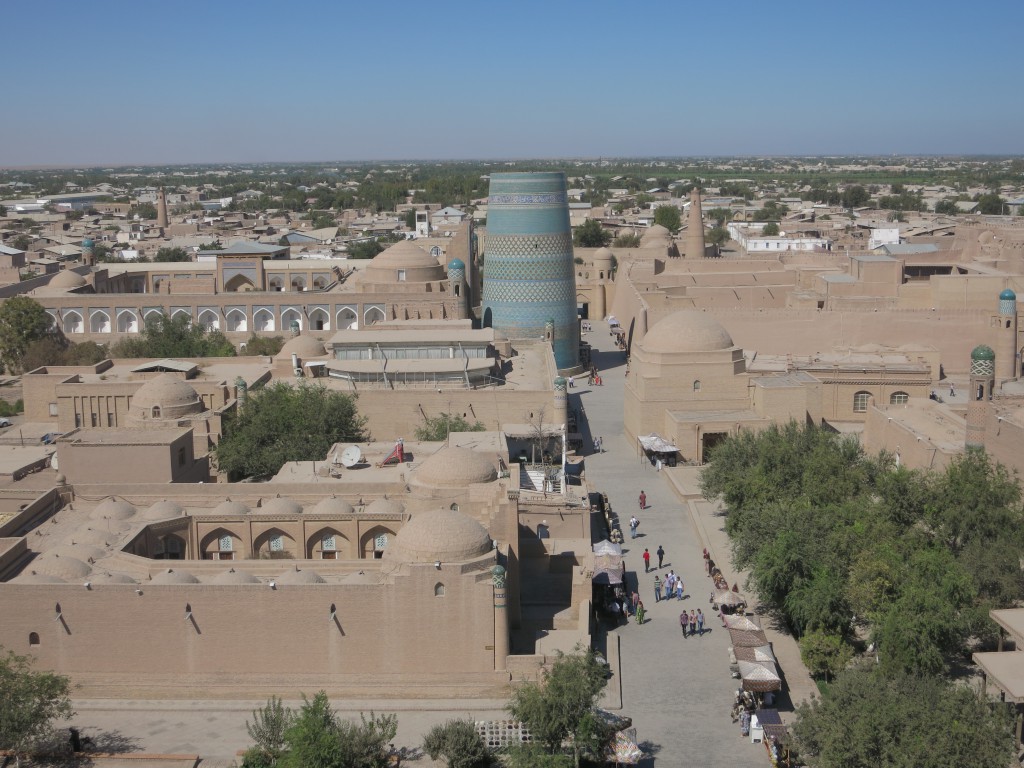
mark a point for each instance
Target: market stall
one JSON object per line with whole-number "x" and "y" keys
{"x": 653, "y": 447}
{"x": 759, "y": 678}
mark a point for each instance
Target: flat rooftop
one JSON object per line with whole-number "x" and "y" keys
{"x": 936, "y": 422}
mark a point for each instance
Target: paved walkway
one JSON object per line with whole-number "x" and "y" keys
{"x": 678, "y": 692}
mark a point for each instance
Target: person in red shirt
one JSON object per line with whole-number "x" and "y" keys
{"x": 643, "y": 500}
{"x": 647, "y": 561}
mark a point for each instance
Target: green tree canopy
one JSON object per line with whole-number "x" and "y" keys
{"x": 990, "y": 204}
{"x": 283, "y": 423}
{"x": 855, "y": 196}
{"x": 363, "y": 249}
{"x": 318, "y": 738}
{"x": 561, "y": 706}
{"x": 172, "y": 254}
{"x": 267, "y": 729}
{"x": 143, "y": 211}
{"x": 630, "y": 240}
{"x": 868, "y": 721}
{"x": 440, "y": 426}
{"x": 263, "y": 345}
{"x": 771, "y": 229}
{"x": 55, "y": 350}
{"x": 718, "y": 236}
{"x": 668, "y": 217}
{"x": 23, "y": 321}
{"x": 32, "y": 700}
{"x": 947, "y": 207}
{"x": 590, "y": 234}
{"x": 458, "y": 744}
{"x": 165, "y": 336}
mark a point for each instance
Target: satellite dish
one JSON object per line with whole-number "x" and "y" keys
{"x": 351, "y": 456}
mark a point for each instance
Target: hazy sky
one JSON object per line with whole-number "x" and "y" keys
{"x": 152, "y": 82}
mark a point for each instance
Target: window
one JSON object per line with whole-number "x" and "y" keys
{"x": 53, "y": 409}
{"x": 401, "y": 275}
{"x": 156, "y": 411}
{"x": 110, "y": 419}
{"x": 33, "y": 639}
{"x": 181, "y": 457}
{"x": 860, "y": 402}
{"x": 95, "y": 419}
{"x": 696, "y": 385}
{"x": 328, "y": 544}
{"x": 225, "y": 543}
{"x": 78, "y": 420}
{"x": 439, "y": 590}
{"x": 277, "y": 543}
{"x": 898, "y": 398}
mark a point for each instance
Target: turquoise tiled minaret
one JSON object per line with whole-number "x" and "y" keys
{"x": 528, "y": 267}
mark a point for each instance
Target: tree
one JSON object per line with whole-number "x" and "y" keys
{"x": 440, "y": 426}
{"x": 172, "y": 254}
{"x": 283, "y": 423}
{"x": 363, "y": 249}
{"x": 268, "y": 727}
{"x": 263, "y": 345}
{"x": 32, "y": 701}
{"x": 855, "y": 196}
{"x": 143, "y": 211}
{"x": 590, "y": 234}
{"x": 317, "y": 738}
{"x": 771, "y": 229}
{"x": 561, "y": 706}
{"x": 213, "y": 245}
{"x": 718, "y": 236}
{"x": 823, "y": 654}
{"x": 630, "y": 240}
{"x": 990, "y": 204}
{"x": 947, "y": 207}
{"x": 868, "y": 721}
{"x": 22, "y": 322}
{"x": 410, "y": 219}
{"x": 668, "y": 217}
{"x": 719, "y": 215}
{"x": 458, "y": 743}
{"x": 22, "y": 242}
{"x": 177, "y": 336}
{"x": 55, "y": 350}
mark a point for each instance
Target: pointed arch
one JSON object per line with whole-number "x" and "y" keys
{"x": 182, "y": 311}
{"x": 373, "y": 315}
{"x": 237, "y": 320}
{"x": 210, "y": 320}
{"x": 273, "y": 544}
{"x": 127, "y": 321}
{"x": 73, "y": 322}
{"x": 299, "y": 283}
{"x": 374, "y": 541}
{"x": 290, "y": 316}
{"x": 320, "y": 319}
{"x": 328, "y": 543}
{"x": 239, "y": 284}
{"x": 263, "y": 320}
{"x": 348, "y": 320}
{"x": 99, "y": 321}
{"x": 222, "y": 544}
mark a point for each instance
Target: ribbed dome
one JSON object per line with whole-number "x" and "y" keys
{"x": 456, "y": 264}
{"x": 1007, "y": 295}
{"x": 333, "y": 506}
{"x": 296, "y": 576}
{"x": 63, "y": 567}
{"x": 171, "y": 576}
{"x": 302, "y": 345}
{"x": 115, "y": 509}
{"x": 279, "y": 506}
{"x": 686, "y": 331}
{"x": 453, "y": 467}
{"x": 415, "y": 263}
{"x": 234, "y": 577}
{"x": 983, "y": 352}
{"x": 172, "y": 396}
{"x": 384, "y": 507}
{"x": 163, "y": 510}
{"x": 441, "y": 534}
{"x": 66, "y": 281}
{"x": 229, "y": 507}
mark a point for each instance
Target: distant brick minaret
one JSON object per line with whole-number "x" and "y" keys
{"x": 983, "y": 379}
{"x": 694, "y": 248}
{"x": 161, "y": 209}
{"x": 1006, "y": 337}
{"x": 88, "y": 252}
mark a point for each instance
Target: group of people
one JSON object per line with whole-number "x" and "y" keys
{"x": 673, "y": 586}
{"x": 647, "y": 558}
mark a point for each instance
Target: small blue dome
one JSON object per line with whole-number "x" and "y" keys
{"x": 456, "y": 264}
{"x": 87, "y": 243}
{"x": 1008, "y": 295}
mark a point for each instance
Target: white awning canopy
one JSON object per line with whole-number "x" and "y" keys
{"x": 657, "y": 444}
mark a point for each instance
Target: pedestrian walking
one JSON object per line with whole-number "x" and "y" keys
{"x": 657, "y": 589}
{"x": 670, "y": 585}
{"x": 572, "y": 383}
{"x": 636, "y": 599}
{"x": 661, "y": 555}
{"x": 700, "y": 623}
{"x": 679, "y": 588}
{"x": 647, "y": 560}
{"x": 693, "y": 623}
{"x": 657, "y": 464}
{"x": 640, "y": 612}
{"x": 684, "y": 621}
{"x": 643, "y": 500}
{"x": 952, "y": 391}
{"x": 600, "y": 444}
{"x": 633, "y": 525}
{"x": 625, "y": 611}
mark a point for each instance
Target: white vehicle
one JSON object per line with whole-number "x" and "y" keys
{"x": 4, "y": 422}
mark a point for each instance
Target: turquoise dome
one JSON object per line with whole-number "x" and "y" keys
{"x": 1008, "y": 295}
{"x": 983, "y": 352}
{"x": 456, "y": 264}
{"x": 87, "y": 243}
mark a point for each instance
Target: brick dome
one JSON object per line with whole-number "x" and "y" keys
{"x": 333, "y": 506}
{"x": 440, "y": 534}
{"x": 231, "y": 576}
{"x": 66, "y": 280}
{"x": 686, "y": 331}
{"x": 455, "y": 467}
{"x": 229, "y": 507}
{"x": 165, "y": 397}
{"x": 163, "y": 510}
{"x": 299, "y": 576}
{"x": 303, "y": 346}
{"x": 113, "y": 509}
{"x": 384, "y": 507}
{"x": 171, "y": 576}
{"x": 416, "y": 264}
{"x": 279, "y": 506}
{"x": 66, "y": 568}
